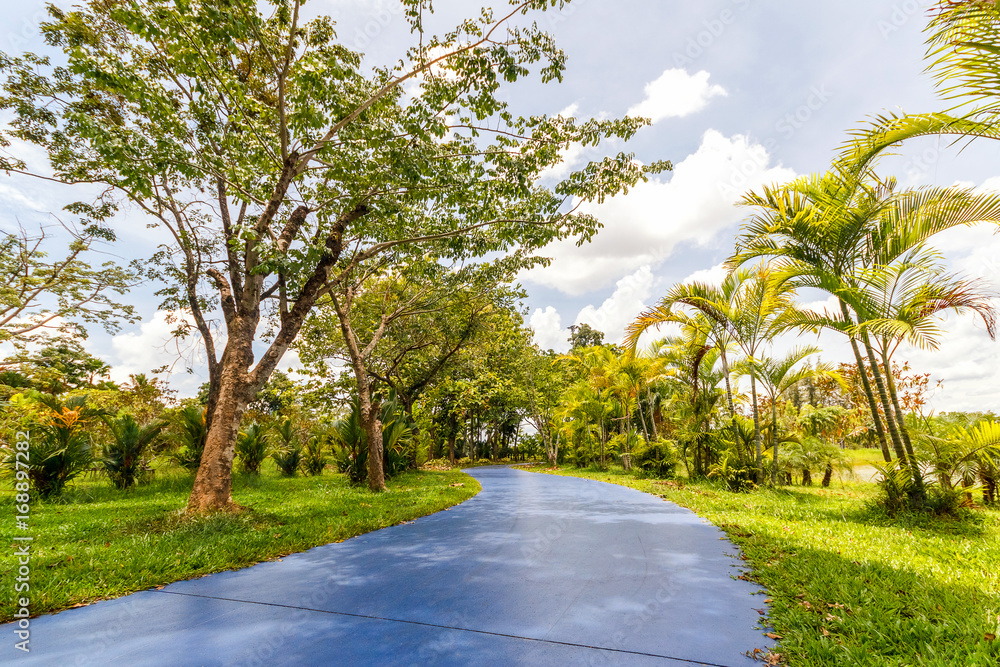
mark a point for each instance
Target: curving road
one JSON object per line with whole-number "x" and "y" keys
{"x": 535, "y": 570}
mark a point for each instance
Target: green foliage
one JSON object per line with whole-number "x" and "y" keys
{"x": 251, "y": 448}
{"x": 740, "y": 478}
{"x": 189, "y": 433}
{"x": 77, "y": 290}
{"x": 122, "y": 457}
{"x": 656, "y": 459}
{"x": 59, "y": 447}
{"x": 314, "y": 457}
{"x": 288, "y": 459}
{"x": 352, "y": 446}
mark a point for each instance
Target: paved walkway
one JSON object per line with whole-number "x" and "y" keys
{"x": 535, "y": 570}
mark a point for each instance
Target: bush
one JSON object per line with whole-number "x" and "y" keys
{"x": 353, "y": 463}
{"x": 55, "y": 458}
{"x": 899, "y": 494}
{"x": 288, "y": 460}
{"x": 740, "y": 479}
{"x": 251, "y": 448}
{"x": 58, "y": 449}
{"x": 122, "y": 458}
{"x": 314, "y": 458}
{"x": 657, "y": 459}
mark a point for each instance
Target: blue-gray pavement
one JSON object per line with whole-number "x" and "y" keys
{"x": 535, "y": 570}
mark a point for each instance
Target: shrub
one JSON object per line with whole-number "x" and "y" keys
{"x": 738, "y": 478}
{"x": 58, "y": 449}
{"x": 314, "y": 458}
{"x": 55, "y": 457}
{"x": 251, "y": 448}
{"x": 122, "y": 458}
{"x": 657, "y": 459}
{"x": 288, "y": 460}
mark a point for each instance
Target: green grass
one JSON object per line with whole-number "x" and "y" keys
{"x": 98, "y": 543}
{"x": 848, "y": 586}
{"x": 865, "y": 456}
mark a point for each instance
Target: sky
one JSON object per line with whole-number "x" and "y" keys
{"x": 741, "y": 93}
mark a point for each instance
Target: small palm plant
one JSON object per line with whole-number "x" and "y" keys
{"x": 122, "y": 458}
{"x": 314, "y": 459}
{"x": 288, "y": 454}
{"x": 251, "y": 448}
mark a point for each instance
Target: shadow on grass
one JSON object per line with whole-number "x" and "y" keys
{"x": 835, "y": 609}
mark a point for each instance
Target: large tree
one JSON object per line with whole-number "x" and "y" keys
{"x": 279, "y": 164}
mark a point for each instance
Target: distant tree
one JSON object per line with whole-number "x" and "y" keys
{"x": 583, "y": 335}
{"x": 56, "y": 368}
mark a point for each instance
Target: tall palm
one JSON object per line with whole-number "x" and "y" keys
{"x": 777, "y": 377}
{"x": 821, "y": 231}
{"x": 702, "y": 298}
{"x": 749, "y": 310}
{"x": 906, "y": 301}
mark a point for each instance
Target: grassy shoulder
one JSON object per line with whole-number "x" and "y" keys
{"x": 98, "y": 543}
{"x": 847, "y": 586}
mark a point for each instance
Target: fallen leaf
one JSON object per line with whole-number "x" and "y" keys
{"x": 768, "y": 601}
{"x": 990, "y": 636}
{"x": 457, "y": 484}
{"x": 772, "y": 635}
{"x": 826, "y": 633}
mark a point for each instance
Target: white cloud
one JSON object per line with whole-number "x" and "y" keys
{"x": 622, "y": 307}
{"x": 549, "y": 331}
{"x": 153, "y": 346}
{"x": 712, "y": 276}
{"x": 645, "y": 226}
{"x": 676, "y": 94}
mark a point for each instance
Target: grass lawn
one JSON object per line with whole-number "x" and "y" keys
{"x": 847, "y": 586}
{"x": 98, "y": 543}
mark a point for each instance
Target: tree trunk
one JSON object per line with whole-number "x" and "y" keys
{"x": 212, "y": 488}
{"x": 866, "y": 386}
{"x": 827, "y": 475}
{"x": 732, "y": 405}
{"x": 451, "y": 447}
{"x": 774, "y": 442}
{"x": 890, "y": 421}
{"x": 918, "y": 479}
{"x": 807, "y": 477}
{"x": 373, "y": 429}
{"x": 756, "y": 428}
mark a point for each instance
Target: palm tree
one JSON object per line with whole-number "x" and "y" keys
{"x": 702, "y": 298}
{"x": 905, "y": 301}
{"x": 822, "y": 231}
{"x": 749, "y": 310}
{"x": 779, "y": 375}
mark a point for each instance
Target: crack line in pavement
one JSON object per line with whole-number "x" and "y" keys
{"x": 447, "y": 627}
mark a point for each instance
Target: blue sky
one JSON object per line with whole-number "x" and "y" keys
{"x": 743, "y": 93}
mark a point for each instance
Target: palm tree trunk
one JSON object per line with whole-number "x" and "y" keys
{"x": 867, "y": 387}
{"x": 774, "y": 441}
{"x": 897, "y": 443}
{"x": 652, "y": 413}
{"x": 732, "y": 406}
{"x": 918, "y": 480}
{"x": 756, "y": 428}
